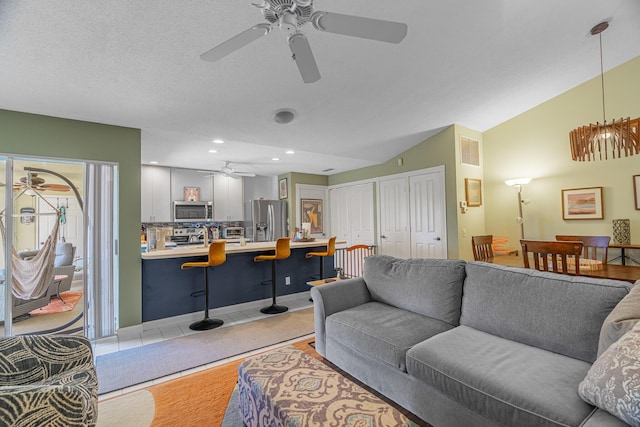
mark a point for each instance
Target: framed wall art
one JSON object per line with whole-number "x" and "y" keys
{"x": 582, "y": 203}
{"x": 192, "y": 194}
{"x": 312, "y": 213}
{"x": 283, "y": 189}
{"x": 636, "y": 191}
{"x": 473, "y": 191}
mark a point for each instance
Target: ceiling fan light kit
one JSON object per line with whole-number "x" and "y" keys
{"x": 619, "y": 137}
{"x": 291, "y": 15}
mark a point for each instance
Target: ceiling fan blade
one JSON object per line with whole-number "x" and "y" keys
{"x": 236, "y": 42}
{"x": 248, "y": 174}
{"x": 56, "y": 187}
{"x": 357, "y": 26}
{"x": 303, "y": 56}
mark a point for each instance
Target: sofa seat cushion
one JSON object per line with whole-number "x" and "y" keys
{"x": 505, "y": 381}
{"x": 382, "y": 331}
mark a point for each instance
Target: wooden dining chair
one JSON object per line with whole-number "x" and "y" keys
{"x": 482, "y": 247}
{"x": 559, "y": 257}
{"x": 592, "y": 245}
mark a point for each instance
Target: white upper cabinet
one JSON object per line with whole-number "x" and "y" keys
{"x": 182, "y": 178}
{"x": 227, "y": 198}
{"x": 156, "y": 194}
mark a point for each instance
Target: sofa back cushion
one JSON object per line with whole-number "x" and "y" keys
{"x": 555, "y": 312}
{"x": 430, "y": 287}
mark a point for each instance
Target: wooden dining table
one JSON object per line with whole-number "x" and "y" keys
{"x": 627, "y": 273}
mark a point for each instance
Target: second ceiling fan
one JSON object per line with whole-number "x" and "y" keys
{"x": 291, "y": 15}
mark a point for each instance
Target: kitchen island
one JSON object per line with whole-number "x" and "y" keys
{"x": 167, "y": 290}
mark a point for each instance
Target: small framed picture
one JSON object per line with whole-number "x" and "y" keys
{"x": 582, "y": 203}
{"x": 283, "y": 190}
{"x": 473, "y": 191}
{"x": 192, "y": 194}
{"x": 312, "y": 213}
{"x": 636, "y": 191}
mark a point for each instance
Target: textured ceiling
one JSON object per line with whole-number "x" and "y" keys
{"x": 136, "y": 64}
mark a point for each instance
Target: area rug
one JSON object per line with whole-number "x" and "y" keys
{"x": 206, "y": 398}
{"x": 199, "y": 399}
{"x": 70, "y": 298}
{"x": 141, "y": 364}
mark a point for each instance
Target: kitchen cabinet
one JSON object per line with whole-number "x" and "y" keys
{"x": 181, "y": 178}
{"x": 227, "y": 198}
{"x": 156, "y": 194}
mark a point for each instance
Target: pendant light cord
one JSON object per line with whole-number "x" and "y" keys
{"x": 604, "y": 116}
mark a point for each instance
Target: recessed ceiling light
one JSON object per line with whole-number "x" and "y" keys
{"x": 290, "y": 152}
{"x": 213, "y": 151}
{"x": 153, "y": 163}
{"x": 275, "y": 158}
{"x": 218, "y": 141}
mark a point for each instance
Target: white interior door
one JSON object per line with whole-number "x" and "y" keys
{"x": 361, "y": 214}
{"x": 427, "y": 216}
{"x": 394, "y": 218}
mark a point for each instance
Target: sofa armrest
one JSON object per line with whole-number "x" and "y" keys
{"x": 30, "y": 359}
{"x": 332, "y": 298}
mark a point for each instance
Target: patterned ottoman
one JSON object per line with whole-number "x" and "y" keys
{"x": 287, "y": 388}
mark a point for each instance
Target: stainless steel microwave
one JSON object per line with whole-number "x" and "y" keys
{"x": 192, "y": 211}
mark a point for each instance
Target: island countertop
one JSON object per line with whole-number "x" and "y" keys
{"x": 230, "y": 248}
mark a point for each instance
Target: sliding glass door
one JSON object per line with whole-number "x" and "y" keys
{"x": 74, "y": 202}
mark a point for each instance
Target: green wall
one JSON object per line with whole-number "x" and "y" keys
{"x": 43, "y": 136}
{"x": 437, "y": 150}
{"x": 536, "y": 144}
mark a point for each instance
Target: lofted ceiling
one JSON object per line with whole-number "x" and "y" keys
{"x": 136, "y": 64}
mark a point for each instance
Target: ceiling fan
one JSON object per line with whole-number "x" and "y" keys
{"x": 230, "y": 172}
{"x": 291, "y": 15}
{"x": 34, "y": 182}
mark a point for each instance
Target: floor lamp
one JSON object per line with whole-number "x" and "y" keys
{"x": 518, "y": 183}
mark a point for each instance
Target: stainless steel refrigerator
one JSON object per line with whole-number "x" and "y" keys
{"x": 266, "y": 220}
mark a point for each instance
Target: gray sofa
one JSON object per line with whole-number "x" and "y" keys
{"x": 469, "y": 344}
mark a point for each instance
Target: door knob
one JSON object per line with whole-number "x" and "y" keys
{"x": 383, "y": 237}
{"x": 437, "y": 238}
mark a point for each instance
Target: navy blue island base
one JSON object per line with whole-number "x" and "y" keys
{"x": 167, "y": 290}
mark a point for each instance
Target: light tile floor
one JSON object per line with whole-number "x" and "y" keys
{"x": 179, "y": 329}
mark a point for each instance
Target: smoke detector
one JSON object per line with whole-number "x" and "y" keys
{"x": 284, "y": 116}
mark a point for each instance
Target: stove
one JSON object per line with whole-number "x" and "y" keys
{"x": 189, "y": 236}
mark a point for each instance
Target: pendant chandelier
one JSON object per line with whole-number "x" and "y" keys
{"x": 591, "y": 142}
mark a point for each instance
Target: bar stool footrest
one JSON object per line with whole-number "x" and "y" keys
{"x": 274, "y": 309}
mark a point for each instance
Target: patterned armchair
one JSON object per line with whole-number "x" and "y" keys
{"x": 47, "y": 380}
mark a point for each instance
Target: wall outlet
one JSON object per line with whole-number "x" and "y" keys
{"x": 287, "y": 280}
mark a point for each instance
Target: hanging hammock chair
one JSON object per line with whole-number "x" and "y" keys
{"x": 32, "y": 277}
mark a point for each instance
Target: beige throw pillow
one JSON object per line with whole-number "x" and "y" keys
{"x": 621, "y": 320}
{"x": 613, "y": 381}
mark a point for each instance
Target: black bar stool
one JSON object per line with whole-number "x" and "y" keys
{"x": 331, "y": 249}
{"x": 283, "y": 251}
{"x": 217, "y": 256}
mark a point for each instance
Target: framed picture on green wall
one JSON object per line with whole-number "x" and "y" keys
{"x": 473, "y": 191}
{"x": 283, "y": 192}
